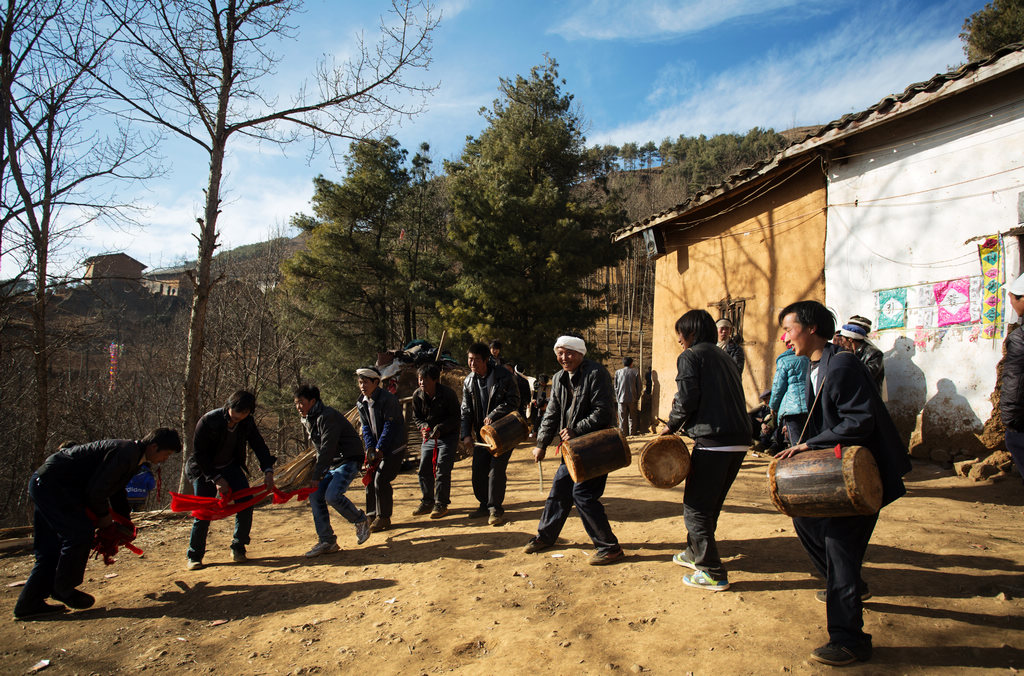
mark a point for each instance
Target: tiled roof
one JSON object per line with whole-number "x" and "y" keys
{"x": 914, "y": 97}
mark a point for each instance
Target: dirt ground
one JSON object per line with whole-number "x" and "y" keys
{"x": 946, "y": 567}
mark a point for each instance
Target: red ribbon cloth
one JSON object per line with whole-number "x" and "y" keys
{"x": 369, "y": 471}
{"x": 838, "y": 450}
{"x": 213, "y": 508}
{"x": 118, "y": 534}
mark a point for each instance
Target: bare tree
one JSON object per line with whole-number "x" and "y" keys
{"x": 59, "y": 164}
{"x": 195, "y": 69}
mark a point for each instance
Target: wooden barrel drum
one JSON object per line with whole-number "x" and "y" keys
{"x": 817, "y": 483}
{"x": 664, "y": 461}
{"x": 502, "y": 435}
{"x": 594, "y": 454}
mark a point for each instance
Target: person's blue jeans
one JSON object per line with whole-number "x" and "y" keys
{"x": 63, "y": 539}
{"x": 237, "y": 480}
{"x": 331, "y": 491}
{"x": 436, "y": 481}
{"x": 836, "y": 546}
{"x": 1015, "y": 445}
{"x": 488, "y": 475}
{"x": 586, "y": 495}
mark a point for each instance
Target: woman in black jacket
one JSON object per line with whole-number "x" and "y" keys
{"x": 710, "y": 408}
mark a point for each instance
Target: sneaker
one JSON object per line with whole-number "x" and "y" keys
{"x": 535, "y": 545}
{"x": 479, "y": 513}
{"x": 238, "y": 556}
{"x": 439, "y": 511}
{"x": 681, "y": 559}
{"x": 701, "y": 580}
{"x": 822, "y": 596}
{"x": 362, "y": 531}
{"x": 379, "y": 524}
{"x": 604, "y": 558}
{"x": 496, "y": 519}
{"x": 838, "y": 655}
{"x": 76, "y": 599}
{"x": 424, "y": 508}
{"x": 193, "y": 565}
{"x": 28, "y": 611}
{"x": 322, "y": 548}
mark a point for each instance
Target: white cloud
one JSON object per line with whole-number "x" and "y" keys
{"x": 659, "y": 19}
{"x": 844, "y": 71}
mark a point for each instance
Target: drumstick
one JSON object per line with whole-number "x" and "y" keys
{"x": 540, "y": 468}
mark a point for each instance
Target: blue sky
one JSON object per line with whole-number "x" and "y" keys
{"x": 639, "y": 71}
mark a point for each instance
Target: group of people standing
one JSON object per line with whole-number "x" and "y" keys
{"x": 829, "y": 394}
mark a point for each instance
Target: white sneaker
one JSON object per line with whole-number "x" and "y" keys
{"x": 322, "y": 548}
{"x": 362, "y": 531}
{"x": 193, "y": 565}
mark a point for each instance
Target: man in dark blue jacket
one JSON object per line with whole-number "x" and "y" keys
{"x": 339, "y": 455}
{"x": 75, "y": 492}
{"x": 384, "y": 442}
{"x": 582, "y": 401}
{"x": 217, "y": 464}
{"x": 489, "y": 393}
{"x": 846, "y": 409}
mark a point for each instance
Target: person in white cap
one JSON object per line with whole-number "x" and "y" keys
{"x": 582, "y": 401}
{"x": 383, "y": 430}
{"x": 855, "y": 331}
{"x": 1011, "y": 392}
{"x": 728, "y": 343}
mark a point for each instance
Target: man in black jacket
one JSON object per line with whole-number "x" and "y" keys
{"x": 217, "y": 463}
{"x": 489, "y": 393}
{"x": 435, "y": 410}
{"x": 582, "y": 401}
{"x": 848, "y": 412}
{"x": 339, "y": 455}
{"x": 1011, "y": 394}
{"x": 383, "y": 429}
{"x": 74, "y": 492}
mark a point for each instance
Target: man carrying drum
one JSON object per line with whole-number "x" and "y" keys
{"x": 709, "y": 406}
{"x": 488, "y": 393}
{"x": 845, "y": 409}
{"x": 582, "y": 401}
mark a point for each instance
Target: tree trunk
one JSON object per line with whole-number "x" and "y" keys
{"x": 40, "y": 351}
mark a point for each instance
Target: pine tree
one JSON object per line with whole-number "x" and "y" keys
{"x": 525, "y": 238}
{"x": 998, "y": 23}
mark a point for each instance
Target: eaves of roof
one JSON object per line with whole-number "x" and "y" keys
{"x": 914, "y": 98}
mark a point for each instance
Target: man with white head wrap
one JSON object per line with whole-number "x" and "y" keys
{"x": 856, "y": 330}
{"x": 582, "y": 401}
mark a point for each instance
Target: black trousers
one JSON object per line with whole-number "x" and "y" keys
{"x": 63, "y": 538}
{"x": 379, "y": 493}
{"x": 586, "y": 495}
{"x": 711, "y": 477}
{"x": 489, "y": 479}
{"x": 836, "y": 546}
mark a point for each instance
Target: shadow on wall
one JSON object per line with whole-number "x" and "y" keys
{"x": 948, "y": 425}
{"x": 905, "y": 386}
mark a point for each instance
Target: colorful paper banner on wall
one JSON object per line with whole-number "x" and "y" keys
{"x": 953, "y": 299}
{"x": 892, "y": 309}
{"x": 990, "y": 253}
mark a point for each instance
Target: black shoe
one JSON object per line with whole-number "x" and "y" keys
{"x": 479, "y": 513}
{"x": 379, "y": 524}
{"x": 535, "y": 545}
{"x": 822, "y": 596}
{"x": 424, "y": 508}
{"x": 76, "y": 599}
{"x": 28, "y": 611}
{"x": 838, "y": 655}
{"x": 604, "y": 558}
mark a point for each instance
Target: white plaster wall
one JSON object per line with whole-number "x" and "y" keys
{"x": 901, "y": 214}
